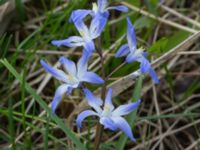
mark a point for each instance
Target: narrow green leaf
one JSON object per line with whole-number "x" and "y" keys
{"x": 4, "y": 44}
{"x": 46, "y": 134}
{"x": 11, "y": 123}
{"x": 131, "y": 118}
{"x": 59, "y": 122}
{"x": 159, "y": 46}
{"x": 20, "y": 9}
{"x": 142, "y": 22}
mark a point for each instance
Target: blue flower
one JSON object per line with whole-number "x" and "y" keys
{"x": 103, "y": 8}
{"x": 75, "y": 74}
{"x": 110, "y": 117}
{"x": 133, "y": 54}
{"x": 100, "y": 11}
{"x": 100, "y": 14}
{"x": 88, "y": 34}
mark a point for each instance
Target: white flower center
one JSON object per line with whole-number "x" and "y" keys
{"x": 138, "y": 53}
{"x": 72, "y": 80}
{"x": 86, "y": 35}
{"x": 106, "y": 111}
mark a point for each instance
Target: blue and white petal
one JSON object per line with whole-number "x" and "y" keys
{"x": 126, "y": 109}
{"x": 69, "y": 66}
{"x": 58, "y": 96}
{"x": 97, "y": 25}
{"x": 108, "y": 100}
{"x": 131, "y": 36}
{"x": 78, "y": 15}
{"x": 93, "y": 101}
{"x": 58, "y": 74}
{"x": 82, "y": 64}
{"x": 123, "y": 51}
{"x": 82, "y": 28}
{"x": 108, "y": 123}
{"x": 89, "y": 46}
{"x": 92, "y": 77}
{"x": 121, "y": 8}
{"x": 102, "y": 4}
{"x": 123, "y": 125}
{"x": 84, "y": 115}
{"x": 145, "y": 65}
{"x": 154, "y": 76}
{"x": 131, "y": 58}
{"x": 73, "y": 41}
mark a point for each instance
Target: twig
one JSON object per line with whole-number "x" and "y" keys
{"x": 181, "y": 16}
{"x": 191, "y": 147}
{"x": 158, "y": 114}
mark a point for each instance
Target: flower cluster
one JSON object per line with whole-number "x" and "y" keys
{"x": 76, "y": 74}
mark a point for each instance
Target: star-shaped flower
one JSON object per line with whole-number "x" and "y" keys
{"x": 100, "y": 14}
{"x": 88, "y": 34}
{"x": 133, "y": 54}
{"x": 110, "y": 117}
{"x": 75, "y": 74}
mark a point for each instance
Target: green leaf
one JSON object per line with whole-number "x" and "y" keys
{"x": 142, "y": 22}
{"x": 176, "y": 38}
{"x": 59, "y": 122}
{"x": 4, "y": 44}
{"x": 3, "y": 2}
{"x": 131, "y": 118}
{"x": 135, "y": 3}
{"x": 158, "y": 46}
{"x": 20, "y": 9}
{"x": 152, "y": 6}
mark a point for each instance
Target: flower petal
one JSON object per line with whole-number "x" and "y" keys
{"x": 83, "y": 115}
{"x": 79, "y": 15}
{"x": 58, "y": 96}
{"x": 145, "y": 65}
{"x": 126, "y": 109}
{"x": 123, "y": 51}
{"x": 68, "y": 65}
{"x": 102, "y": 4}
{"x": 130, "y": 58}
{"x": 145, "y": 54}
{"x": 108, "y": 100}
{"x": 122, "y": 124}
{"x": 83, "y": 64}
{"x": 108, "y": 123}
{"x": 154, "y": 76}
{"x": 92, "y": 77}
{"x": 82, "y": 28}
{"x": 89, "y": 46}
{"x": 73, "y": 41}
{"x": 121, "y": 8}
{"x": 93, "y": 101}
{"x": 98, "y": 24}
{"x": 131, "y": 36}
{"x": 58, "y": 74}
